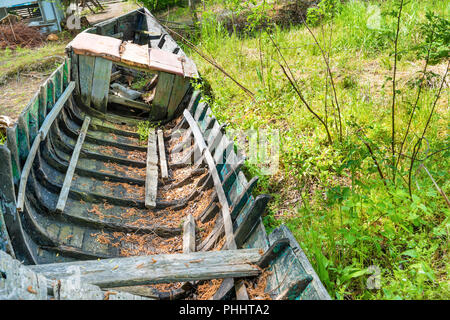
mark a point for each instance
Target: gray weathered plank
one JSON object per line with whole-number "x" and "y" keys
{"x": 162, "y": 95}
{"x": 241, "y": 292}
{"x": 162, "y": 155}
{"x": 100, "y": 83}
{"x": 189, "y": 235}
{"x": 86, "y": 71}
{"x": 151, "y": 179}
{"x": 162, "y": 268}
{"x": 72, "y": 165}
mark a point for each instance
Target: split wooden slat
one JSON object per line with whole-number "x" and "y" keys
{"x": 72, "y": 165}
{"x": 151, "y": 179}
{"x": 161, "y": 268}
{"x": 162, "y": 155}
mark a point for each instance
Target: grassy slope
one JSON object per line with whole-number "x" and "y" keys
{"x": 331, "y": 196}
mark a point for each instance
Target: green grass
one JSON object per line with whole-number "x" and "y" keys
{"x": 330, "y": 196}
{"x": 23, "y": 59}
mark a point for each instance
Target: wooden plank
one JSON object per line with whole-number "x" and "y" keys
{"x": 67, "y": 289}
{"x": 86, "y": 66}
{"x": 295, "y": 288}
{"x": 51, "y": 96}
{"x": 241, "y": 292}
{"x": 274, "y": 251}
{"x": 189, "y": 235}
{"x": 162, "y": 95}
{"x": 162, "y": 155}
{"x": 26, "y": 171}
{"x": 11, "y": 141}
{"x": 72, "y": 165}
{"x": 151, "y": 179}
{"x": 56, "y": 109}
{"x": 18, "y": 282}
{"x": 251, "y": 219}
{"x": 100, "y": 83}
{"x": 40, "y": 137}
{"x": 243, "y": 198}
{"x": 180, "y": 87}
{"x": 161, "y": 268}
{"x": 129, "y": 103}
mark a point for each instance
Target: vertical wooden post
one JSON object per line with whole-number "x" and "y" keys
{"x": 86, "y": 66}
{"x": 162, "y": 96}
{"x": 100, "y": 83}
{"x": 180, "y": 87}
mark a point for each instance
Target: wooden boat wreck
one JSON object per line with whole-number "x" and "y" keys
{"x": 83, "y": 197}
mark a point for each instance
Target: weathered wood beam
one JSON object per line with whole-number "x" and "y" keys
{"x": 189, "y": 235}
{"x": 100, "y": 84}
{"x": 162, "y": 155}
{"x": 112, "y": 98}
{"x": 72, "y": 165}
{"x": 188, "y": 241}
{"x": 151, "y": 179}
{"x": 162, "y": 268}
